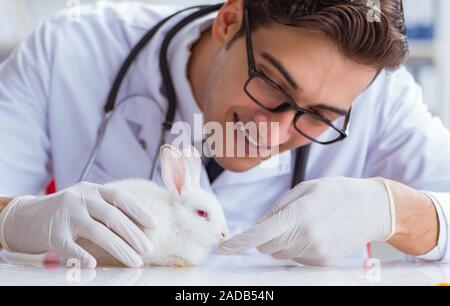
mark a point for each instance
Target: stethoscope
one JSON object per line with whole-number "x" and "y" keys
{"x": 301, "y": 154}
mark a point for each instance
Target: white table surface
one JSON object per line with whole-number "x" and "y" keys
{"x": 227, "y": 271}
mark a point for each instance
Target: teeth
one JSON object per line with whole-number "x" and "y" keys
{"x": 252, "y": 141}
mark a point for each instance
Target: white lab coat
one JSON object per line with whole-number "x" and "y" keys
{"x": 53, "y": 89}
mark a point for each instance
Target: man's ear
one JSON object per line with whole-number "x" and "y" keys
{"x": 228, "y": 22}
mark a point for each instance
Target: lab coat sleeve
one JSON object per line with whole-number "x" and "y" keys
{"x": 442, "y": 203}
{"x": 413, "y": 147}
{"x": 24, "y": 138}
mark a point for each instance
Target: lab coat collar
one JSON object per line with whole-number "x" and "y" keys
{"x": 182, "y": 52}
{"x": 144, "y": 81}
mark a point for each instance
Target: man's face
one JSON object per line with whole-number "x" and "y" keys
{"x": 307, "y": 65}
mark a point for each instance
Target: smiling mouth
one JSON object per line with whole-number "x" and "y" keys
{"x": 248, "y": 138}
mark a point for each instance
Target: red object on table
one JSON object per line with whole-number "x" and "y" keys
{"x": 369, "y": 250}
{"x": 52, "y": 259}
{"x": 51, "y": 187}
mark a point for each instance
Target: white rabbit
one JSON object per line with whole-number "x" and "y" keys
{"x": 191, "y": 220}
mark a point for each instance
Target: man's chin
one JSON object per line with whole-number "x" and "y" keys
{"x": 238, "y": 164}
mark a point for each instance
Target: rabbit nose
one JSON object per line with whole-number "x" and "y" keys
{"x": 223, "y": 235}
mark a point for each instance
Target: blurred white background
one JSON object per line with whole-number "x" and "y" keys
{"x": 427, "y": 24}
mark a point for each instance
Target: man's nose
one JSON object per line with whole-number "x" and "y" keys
{"x": 279, "y": 126}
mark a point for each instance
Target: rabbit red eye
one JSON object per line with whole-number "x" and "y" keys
{"x": 202, "y": 214}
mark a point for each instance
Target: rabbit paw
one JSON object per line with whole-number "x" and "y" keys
{"x": 182, "y": 264}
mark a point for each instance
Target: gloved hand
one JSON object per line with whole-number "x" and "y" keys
{"x": 36, "y": 225}
{"x": 321, "y": 222}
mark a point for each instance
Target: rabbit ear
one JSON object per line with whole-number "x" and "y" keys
{"x": 173, "y": 168}
{"x": 193, "y": 166}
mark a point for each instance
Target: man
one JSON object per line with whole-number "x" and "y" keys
{"x": 314, "y": 66}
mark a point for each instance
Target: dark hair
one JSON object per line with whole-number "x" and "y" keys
{"x": 379, "y": 42}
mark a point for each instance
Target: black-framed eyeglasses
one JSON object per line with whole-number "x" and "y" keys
{"x": 313, "y": 125}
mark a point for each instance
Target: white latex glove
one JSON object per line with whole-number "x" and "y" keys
{"x": 36, "y": 225}
{"x": 321, "y": 222}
